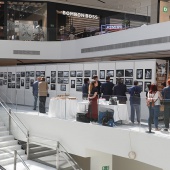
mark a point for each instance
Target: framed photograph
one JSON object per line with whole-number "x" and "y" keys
{"x": 128, "y": 87}
{"x": 13, "y": 77}
{"x": 60, "y": 80}
{"x": 53, "y": 80}
{"x": 9, "y": 85}
{"x": 17, "y": 85}
{"x": 129, "y": 73}
{"x": 37, "y": 73}
{"x": 53, "y": 73}
{"x": 63, "y": 87}
{"x": 122, "y": 80}
{"x": 72, "y": 73}
{"x": 128, "y": 81}
{"x": 31, "y": 82}
{"x": 87, "y": 73}
{"x": 65, "y": 80}
{"x": 1, "y": 82}
{"x": 48, "y": 80}
{"x": 102, "y": 82}
{"x": 22, "y": 82}
{"x": 79, "y": 73}
{"x": 110, "y": 73}
{"x": 119, "y": 73}
{"x": 52, "y": 86}
{"x": 13, "y": 85}
{"x": 42, "y": 73}
{"x": 9, "y": 80}
{"x": 146, "y": 85}
{"x": 22, "y": 74}
{"x": 60, "y": 73}
{"x": 27, "y": 74}
{"x": 18, "y": 74}
{"x": 140, "y": 84}
{"x": 5, "y": 82}
{"x": 148, "y": 73}
{"x": 139, "y": 74}
{"x": 102, "y": 74}
{"x": 31, "y": 73}
{"x": 94, "y": 72}
{"x": 27, "y": 80}
{"x": 9, "y": 74}
{"x": 5, "y": 75}
{"x": 27, "y": 86}
{"x": 1, "y": 74}
{"x": 79, "y": 80}
{"x": 18, "y": 79}
{"x": 79, "y": 88}
{"x": 65, "y": 73}
{"x": 72, "y": 83}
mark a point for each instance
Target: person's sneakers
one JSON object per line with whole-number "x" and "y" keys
{"x": 165, "y": 129}
{"x": 157, "y": 129}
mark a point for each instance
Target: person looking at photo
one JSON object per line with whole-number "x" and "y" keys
{"x": 95, "y": 78}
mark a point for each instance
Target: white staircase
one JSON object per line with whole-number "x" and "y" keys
{"x": 7, "y": 143}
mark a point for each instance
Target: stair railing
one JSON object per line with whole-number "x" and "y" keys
{"x": 12, "y": 118}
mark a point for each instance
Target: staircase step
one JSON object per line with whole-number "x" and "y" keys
{"x": 3, "y": 128}
{"x": 8, "y": 143}
{"x": 5, "y": 138}
{"x": 12, "y": 148}
{"x": 38, "y": 149}
{"x": 4, "y": 133}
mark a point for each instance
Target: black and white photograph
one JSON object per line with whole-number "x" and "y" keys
{"x": 87, "y": 73}
{"x": 79, "y": 80}
{"x": 94, "y": 72}
{"x": 1, "y": 74}
{"x": 53, "y": 80}
{"x": 63, "y": 87}
{"x": 65, "y": 73}
{"x": 27, "y": 86}
{"x": 122, "y": 80}
{"x": 31, "y": 82}
{"x": 72, "y": 83}
{"x": 31, "y": 73}
{"x": 1, "y": 82}
{"x": 37, "y": 73}
{"x": 18, "y": 74}
{"x": 110, "y": 73}
{"x": 102, "y": 74}
{"x": 5, "y": 75}
{"x": 9, "y": 80}
{"x": 128, "y": 87}
{"x": 78, "y": 88}
{"x": 72, "y": 73}
{"x": 13, "y": 85}
{"x": 22, "y": 74}
{"x": 60, "y": 73}
{"x": 9, "y": 74}
{"x": 148, "y": 73}
{"x": 146, "y": 85}
{"x": 79, "y": 73}
{"x": 13, "y": 77}
{"x": 27, "y": 74}
{"x": 48, "y": 80}
{"x": 60, "y": 80}
{"x": 42, "y": 73}
{"x": 65, "y": 80}
{"x": 9, "y": 85}
{"x": 53, "y": 73}
{"x": 18, "y": 80}
{"x": 128, "y": 81}
{"x": 139, "y": 74}
{"x": 22, "y": 82}
{"x": 17, "y": 85}
{"x": 5, "y": 82}
{"x": 27, "y": 80}
{"x": 140, "y": 84}
{"x": 129, "y": 73}
{"x": 119, "y": 73}
{"x": 52, "y": 86}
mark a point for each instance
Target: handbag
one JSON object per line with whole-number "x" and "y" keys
{"x": 150, "y": 100}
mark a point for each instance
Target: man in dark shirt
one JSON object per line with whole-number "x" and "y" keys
{"x": 107, "y": 88}
{"x": 85, "y": 88}
{"x": 95, "y": 78}
{"x": 120, "y": 91}
{"x": 166, "y": 101}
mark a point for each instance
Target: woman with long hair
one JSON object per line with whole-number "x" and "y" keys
{"x": 93, "y": 96}
{"x": 154, "y": 96}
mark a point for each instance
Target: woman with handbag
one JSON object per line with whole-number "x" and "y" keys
{"x": 153, "y": 101}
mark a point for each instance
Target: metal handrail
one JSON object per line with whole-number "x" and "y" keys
{"x": 26, "y": 134}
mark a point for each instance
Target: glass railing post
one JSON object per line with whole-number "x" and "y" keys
{"x": 57, "y": 156}
{"x": 10, "y": 121}
{"x": 28, "y": 149}
{"x": 15, "y": 159}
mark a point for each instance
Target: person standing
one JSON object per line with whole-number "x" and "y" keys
{"x": 95, "y": 78}
{"x": 135, "y": 101}
{"x": 85, "y": 88}
{"x": 42, "y": 92}
{"x": 107, "y": 88}
{"x": 166, "y": 101}
{"x": 35, "y": 92}
{"x": 120, "y": 91}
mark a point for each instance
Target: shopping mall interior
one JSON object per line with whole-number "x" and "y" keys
{"x": 63, "y": 43}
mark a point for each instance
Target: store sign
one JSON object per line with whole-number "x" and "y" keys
{"x": 81, "y": 15}
{"x": 114, "y": 27}
{"x": 165, "y": 9}
{"x": 105, "y": 168}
